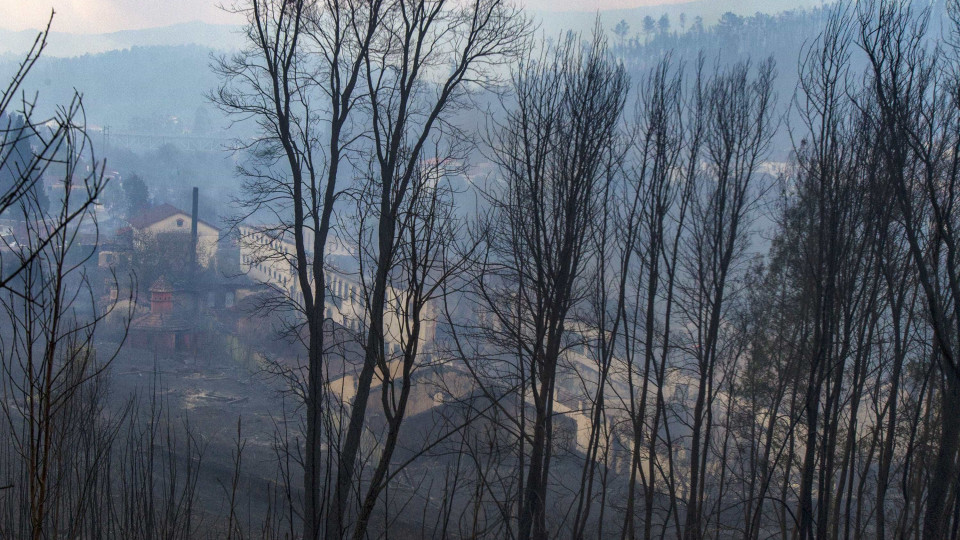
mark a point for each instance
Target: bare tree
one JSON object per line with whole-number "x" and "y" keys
{"x": 916, "y": 118}
{"x": 408, "y": 111}
{"x": 739, "y": 125}
{"x": 29, "y": 148}
{"x": 309, "y": 70}
{"x": 53, "y": 383}
{"x": 300, "y": 78}
{"x": 663, "y": 185}
{"x": 553, "y": 151}
{"x": 828, "y": 230}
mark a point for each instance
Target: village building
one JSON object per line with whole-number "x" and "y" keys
{"x": 268, "y": 258}
{"x": 166, "y": 326}
{"x": 168, "y": 219}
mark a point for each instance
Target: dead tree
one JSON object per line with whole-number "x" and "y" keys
{"x": 30, "y": 147}
{"x": 661, "y": 183}
{"x": 408, "y": 112}
{"x": 915, "y": 98}
{"x": 427, "y": 232}
{"x": 552, "y": 151}
{"x": 829, "y": 233}
{"x": 300, "y": 79}
{"x": 738, "y": 127}
{"x": 52, "y": 370}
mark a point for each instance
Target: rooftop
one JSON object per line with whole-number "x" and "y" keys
{"x": 160, "y": 213}
{"x": 161, "y": 286}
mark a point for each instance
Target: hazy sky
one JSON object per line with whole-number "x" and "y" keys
{"x": 97, "y": 16}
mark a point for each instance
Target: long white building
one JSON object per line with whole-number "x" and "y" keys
{"x": 269, "y": 257}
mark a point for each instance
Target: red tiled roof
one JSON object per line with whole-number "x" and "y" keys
{"x": 161, "y": 285}
{"x": 159, "y": 213}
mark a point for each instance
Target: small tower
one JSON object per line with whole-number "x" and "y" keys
{"x": 162, "y": 328}
{"x": 161, "y": 297}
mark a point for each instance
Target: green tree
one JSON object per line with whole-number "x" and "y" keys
{"x": 649, "y": 26}
{"x": 663, "y": 25}
{"x": 20, "y": 169}
{"x": 621, "y": 30}
{"x": 136, "y": 195}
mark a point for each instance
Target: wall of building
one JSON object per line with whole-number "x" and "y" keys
{"x": 270, "y": 260}
{"x": 207, "y": 236}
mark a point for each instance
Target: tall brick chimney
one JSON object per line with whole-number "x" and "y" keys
{"x": 193, "y": 228}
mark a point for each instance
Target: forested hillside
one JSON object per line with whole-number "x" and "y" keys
{"x": 161, "y": 88}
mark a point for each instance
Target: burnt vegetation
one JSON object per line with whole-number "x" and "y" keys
{"x": 478, "y": 283}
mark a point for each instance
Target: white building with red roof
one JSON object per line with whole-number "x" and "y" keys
{"x": 168, "y": 219}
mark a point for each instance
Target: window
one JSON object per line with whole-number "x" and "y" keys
{"x": 180, "y": 223}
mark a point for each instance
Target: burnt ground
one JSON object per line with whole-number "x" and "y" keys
{"x": 206, "y": 392}
{"x": 211, "y": 388}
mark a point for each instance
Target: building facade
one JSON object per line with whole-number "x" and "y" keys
{"x": 269, "y": 258}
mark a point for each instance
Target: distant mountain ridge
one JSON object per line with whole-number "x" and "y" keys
{"x": 156, "y": 89}
{"x": 153, "y": 81}
{"x": 227, "y": 37}
{"x": 65, "y": 45}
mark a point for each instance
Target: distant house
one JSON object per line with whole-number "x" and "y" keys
{"x": 166, "y": 219}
